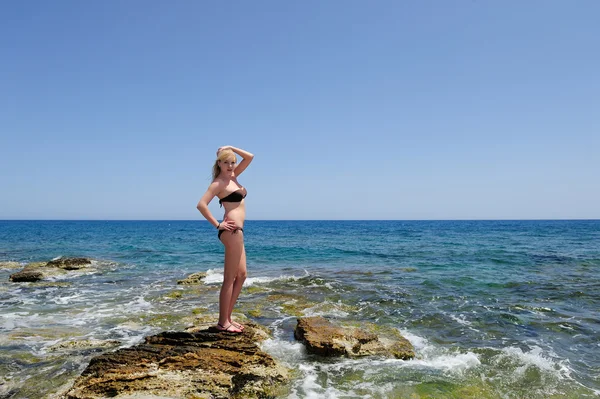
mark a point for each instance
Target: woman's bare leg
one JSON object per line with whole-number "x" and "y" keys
{"x": 239, "y": 282}
{"x": 234, "y": 249}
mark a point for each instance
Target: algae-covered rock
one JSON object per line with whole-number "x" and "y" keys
{"x": 205, "y": 364}
{"x": 255, "y": 312}
{"x": 402, "y": 349}
{"x": 163, "y": 320}
{"x": 69, "y": 263}
{"x": 256, "y": 289}
{"x": 37, "y": 271}
{"x": 323, "y": 338}
{"x": 195, "y": 278}
{"x": 174, "y": 295}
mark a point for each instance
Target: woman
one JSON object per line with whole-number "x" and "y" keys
{"x": 231, "y": 196}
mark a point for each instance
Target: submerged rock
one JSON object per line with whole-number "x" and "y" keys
{"x": 195, "y": 278}
{"x": 203, "y": 364}
{"x": 323, "y": 338}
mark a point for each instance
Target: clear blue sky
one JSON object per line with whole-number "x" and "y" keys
{"x": 354, "y": 109}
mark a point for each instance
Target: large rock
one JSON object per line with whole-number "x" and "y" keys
{"x": 39, "y": 270}
{"x": 204, "y": 364}
{"x": 323, "y": 338}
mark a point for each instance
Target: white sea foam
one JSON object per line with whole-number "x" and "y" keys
{"x": 215, "y": 276}
{"x": 66, "y": 299}
{"x": 71, "y": 275}
{"x": 258, "y": 280}
{"x": 139, "y": 304}
{"x": 12, "y": 320}
{"x": 131, "y": 333}
{"x": 290, "y": 353}
{"x": 434, "y": 357}
{"x": 534, "y": 358}
{"x": 310, "y": 388}
{"x": 136, "y": 305}
{"x": 454, "y": 363}
{"x": 566, "y": 327}
{"x": 275, "y": 327}
{"x": 319, "y": 379}
{"x": 293, "y": 354}
{"x": 460, "y": 319}
{"x": 313, "y": 385}
{"x": 419, "y": 343}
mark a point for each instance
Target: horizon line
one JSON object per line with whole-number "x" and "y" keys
{"x": 301, "y": 220}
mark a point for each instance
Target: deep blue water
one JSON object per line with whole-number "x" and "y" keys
{"x": 494, "y": 308}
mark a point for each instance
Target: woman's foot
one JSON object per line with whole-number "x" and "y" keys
{"x": 230, "y": 328}
{"x": 237, "y": 325}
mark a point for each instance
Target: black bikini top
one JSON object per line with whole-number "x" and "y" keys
{"x": 235, "y": 196}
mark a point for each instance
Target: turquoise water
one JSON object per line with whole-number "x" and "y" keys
{"x": 495, "y": 309}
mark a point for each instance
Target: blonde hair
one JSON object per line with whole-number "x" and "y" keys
{"x": 223, "y": 156}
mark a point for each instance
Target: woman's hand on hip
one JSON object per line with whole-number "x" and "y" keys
{"x": 228, "y": 225}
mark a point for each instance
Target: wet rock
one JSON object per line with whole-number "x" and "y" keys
{"x": 39, "y": 270}
{"x": 195, "y": 278}
{"x": 69, "y": 263}
{"x": 203, "y": 364}
{"x": 321, "y": 337}
{"x": 26, "y": 276}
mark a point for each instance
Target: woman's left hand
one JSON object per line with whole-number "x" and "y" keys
{"x": 225, "y": 147}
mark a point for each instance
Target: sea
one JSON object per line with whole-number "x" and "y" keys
{"x": 494, "y": 309}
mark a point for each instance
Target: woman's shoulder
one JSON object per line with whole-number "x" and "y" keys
{"x": 217, "y": 185}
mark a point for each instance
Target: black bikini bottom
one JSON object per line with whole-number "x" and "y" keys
{"x": 221, "y": 232}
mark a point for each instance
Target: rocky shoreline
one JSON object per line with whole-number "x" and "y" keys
{"x": 203, "y": 362}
